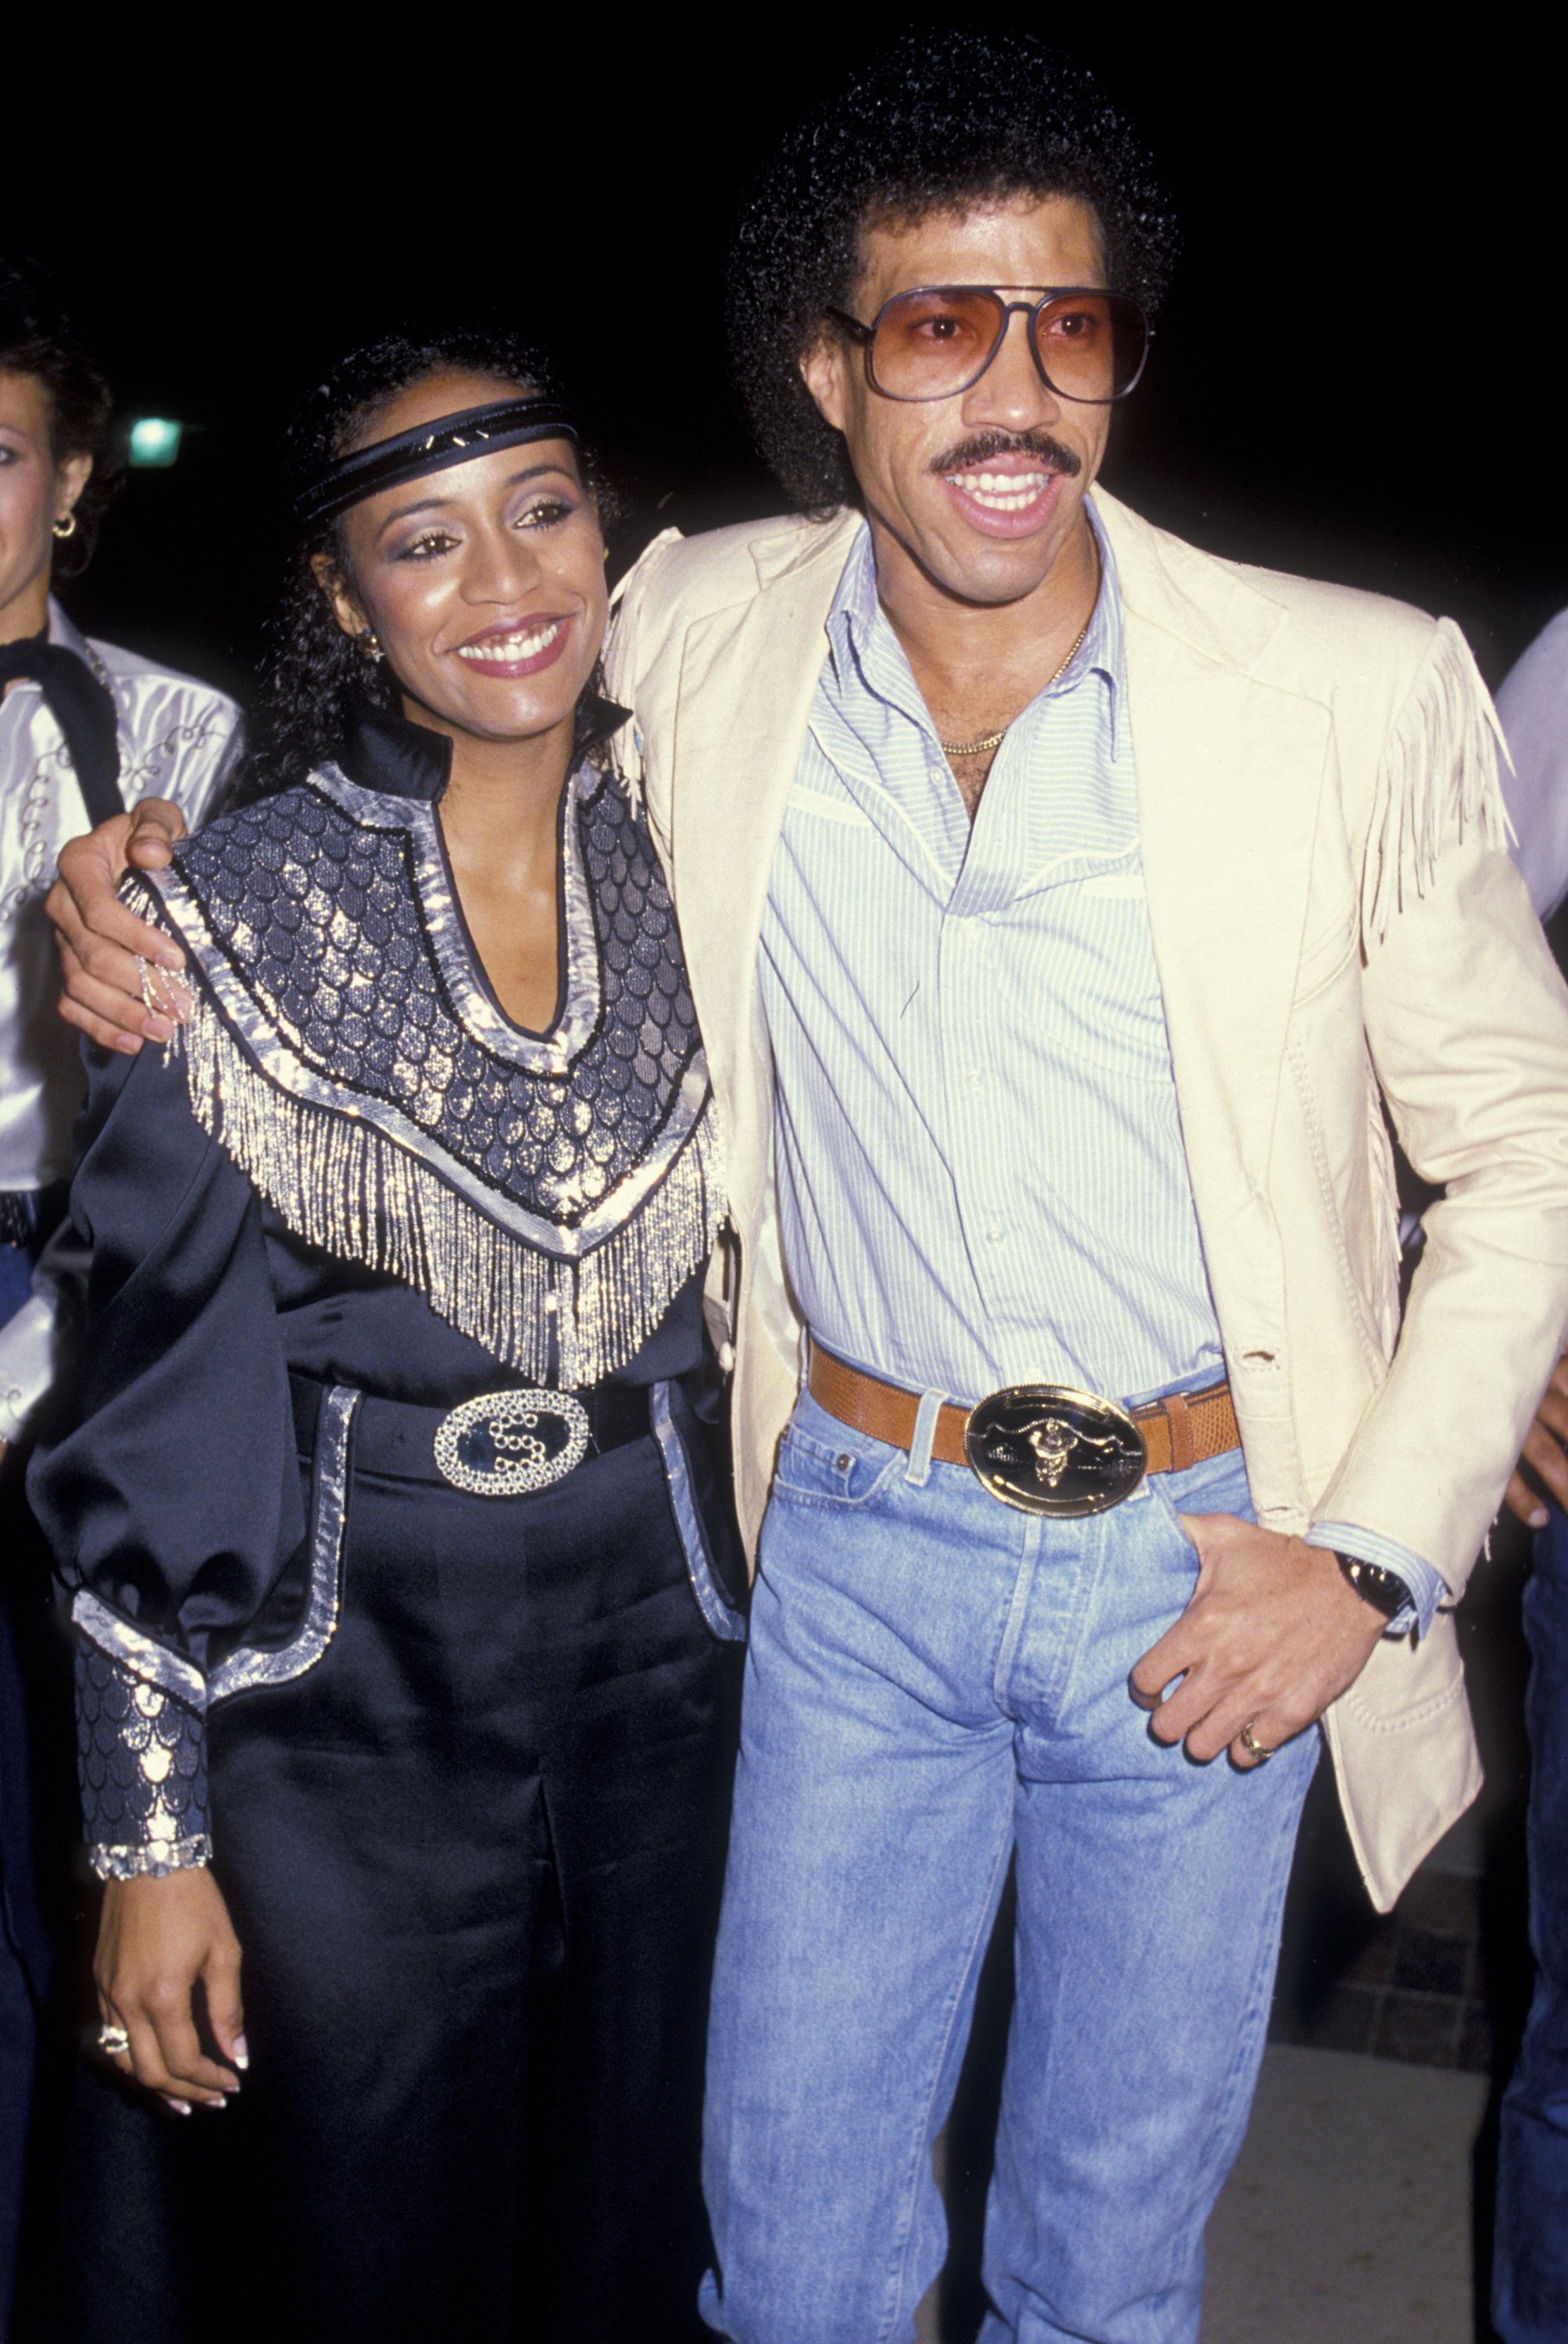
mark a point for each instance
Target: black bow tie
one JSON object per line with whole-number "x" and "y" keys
{"x": 83, "y": 711}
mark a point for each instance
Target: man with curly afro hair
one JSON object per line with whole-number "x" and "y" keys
{"x": 1063, "y": 908}
{"x": 1062, "y": 905}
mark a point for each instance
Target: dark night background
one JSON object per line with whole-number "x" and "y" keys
{"x": 1353, "y": 378}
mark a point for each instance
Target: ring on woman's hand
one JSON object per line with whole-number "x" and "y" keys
{"x": 1252, "y": 1746}
{"x": 113, "y": 2040}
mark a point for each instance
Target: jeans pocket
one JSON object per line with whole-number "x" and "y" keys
{"x": 1217, "y": 1486}
{"x": 810, "y": 1473}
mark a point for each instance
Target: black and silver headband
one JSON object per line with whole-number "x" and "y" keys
{"x": 428, "y": 448}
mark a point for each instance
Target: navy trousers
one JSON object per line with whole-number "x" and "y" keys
{"x": 473, "y": 1860}
{"x": 1529, "y": 2285}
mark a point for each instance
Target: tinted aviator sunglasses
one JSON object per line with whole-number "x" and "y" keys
{"x": 938, "y": 339}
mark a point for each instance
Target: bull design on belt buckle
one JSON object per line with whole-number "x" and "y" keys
{"x": 1049, "y": 1448}
{"x": 504, "y": 1444}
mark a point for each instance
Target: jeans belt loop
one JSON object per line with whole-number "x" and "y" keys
{"x": 918, "y": 1472}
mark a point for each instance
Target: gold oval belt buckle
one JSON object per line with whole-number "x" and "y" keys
{"x": 1049, "y": 1449}
{"x": 506, "y": 1444}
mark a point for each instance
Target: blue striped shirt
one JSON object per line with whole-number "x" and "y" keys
{"x": 982, "y": 1180}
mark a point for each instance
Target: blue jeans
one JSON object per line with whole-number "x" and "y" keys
{"x": 1530, "y": 2268}
{"x": 934, "y": 1680}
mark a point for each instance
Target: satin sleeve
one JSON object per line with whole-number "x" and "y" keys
{"x": 167, "y": 1483}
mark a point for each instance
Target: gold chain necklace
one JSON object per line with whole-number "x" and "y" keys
{"x": 995, "y": 740}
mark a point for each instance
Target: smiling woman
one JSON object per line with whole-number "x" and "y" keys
{"x": 398, "y": 1558}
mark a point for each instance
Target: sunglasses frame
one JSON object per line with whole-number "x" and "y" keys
{"x": 866, "y": 337}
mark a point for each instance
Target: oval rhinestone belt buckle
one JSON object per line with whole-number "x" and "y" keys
{"x": 505, "y": 1444}
{"x": 1047, "y": 1449}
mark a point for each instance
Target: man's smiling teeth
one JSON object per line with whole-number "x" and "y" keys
{"x": 499, "y": 650}
{"x": 999, "y": 491}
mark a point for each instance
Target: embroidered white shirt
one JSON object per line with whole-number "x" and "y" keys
{"x": 177, "y": 739}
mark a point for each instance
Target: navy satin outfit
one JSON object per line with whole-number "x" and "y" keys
{"x": 472, "y": 1851}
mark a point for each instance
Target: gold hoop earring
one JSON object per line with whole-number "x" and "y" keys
{"x": 66, "y": 527}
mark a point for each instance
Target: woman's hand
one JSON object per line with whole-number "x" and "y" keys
{"x": 156, "y": 1938}
{"x": 101, "y": 940}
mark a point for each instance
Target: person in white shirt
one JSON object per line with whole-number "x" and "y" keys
{"x": 84, "y": 729}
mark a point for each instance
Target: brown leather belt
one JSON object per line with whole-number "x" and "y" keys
{"x": 1186, "y": 1429}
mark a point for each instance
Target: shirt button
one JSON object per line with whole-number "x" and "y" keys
{"x": 975, "y": 1078}
{"x": 995, "y": 1234}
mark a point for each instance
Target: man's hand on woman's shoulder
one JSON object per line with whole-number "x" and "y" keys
{"x": 102, "y": 941}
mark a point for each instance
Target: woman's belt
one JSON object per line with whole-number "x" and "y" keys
{"x": 1047, "y": 1449}
{"x": 501, "y": 1444}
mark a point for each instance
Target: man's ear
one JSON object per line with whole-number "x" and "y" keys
{"x": 822, "y": 369}
{"x": 346, "y": 607}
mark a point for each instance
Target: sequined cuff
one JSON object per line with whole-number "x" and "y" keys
{"x": 141, "y": 1761}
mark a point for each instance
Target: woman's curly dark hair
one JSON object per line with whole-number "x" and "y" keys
{"x": 313, "y": 671}
{"x": 37, "y": 338}
{"x": 938, "y": 120}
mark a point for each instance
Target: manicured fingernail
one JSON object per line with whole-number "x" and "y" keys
{"x": 213, "y": 2104}
{"x": 157, "y": 1029}
{"x": 1539, "y": 1519}
{"x": 129, "y": 1043}
{"x": 169, "y": 956}
{"x": 241, "y": 2052}
{"x": 175, "y": 2107}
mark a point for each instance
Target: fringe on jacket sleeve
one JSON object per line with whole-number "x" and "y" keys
{"x": 1439, "y": 777}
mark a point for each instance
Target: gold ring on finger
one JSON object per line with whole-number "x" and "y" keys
{"x": 1252, "y": 1746}
{"x": 113, "y": 2040}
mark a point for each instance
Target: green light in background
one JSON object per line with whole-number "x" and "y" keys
{"x": 155, "y": 440}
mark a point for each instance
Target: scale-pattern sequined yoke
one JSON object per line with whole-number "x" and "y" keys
{"x": 320, "y": 919}
{"x": 549, "y": 1193}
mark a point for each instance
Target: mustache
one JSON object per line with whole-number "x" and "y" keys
{"x": 983, "y": 445}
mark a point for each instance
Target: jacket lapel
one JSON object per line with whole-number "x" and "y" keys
{"x": 1229, "y": 774}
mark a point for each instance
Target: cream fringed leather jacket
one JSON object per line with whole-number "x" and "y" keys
{"x": 1337, "y": 928}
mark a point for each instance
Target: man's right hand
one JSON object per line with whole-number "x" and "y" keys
{"x": 101, "y": 941}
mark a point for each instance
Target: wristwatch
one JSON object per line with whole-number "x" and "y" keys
{"x": 1385, "y": 1590}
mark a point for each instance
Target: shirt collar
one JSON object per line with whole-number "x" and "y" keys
{"x": 63, "y": 632}
{"x": 25, "y": 698}
{"x": 64, "y": 636}
{"x": 862, "y": 646}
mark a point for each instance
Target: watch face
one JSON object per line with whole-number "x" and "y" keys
{"x": 1384, "y": 1590}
